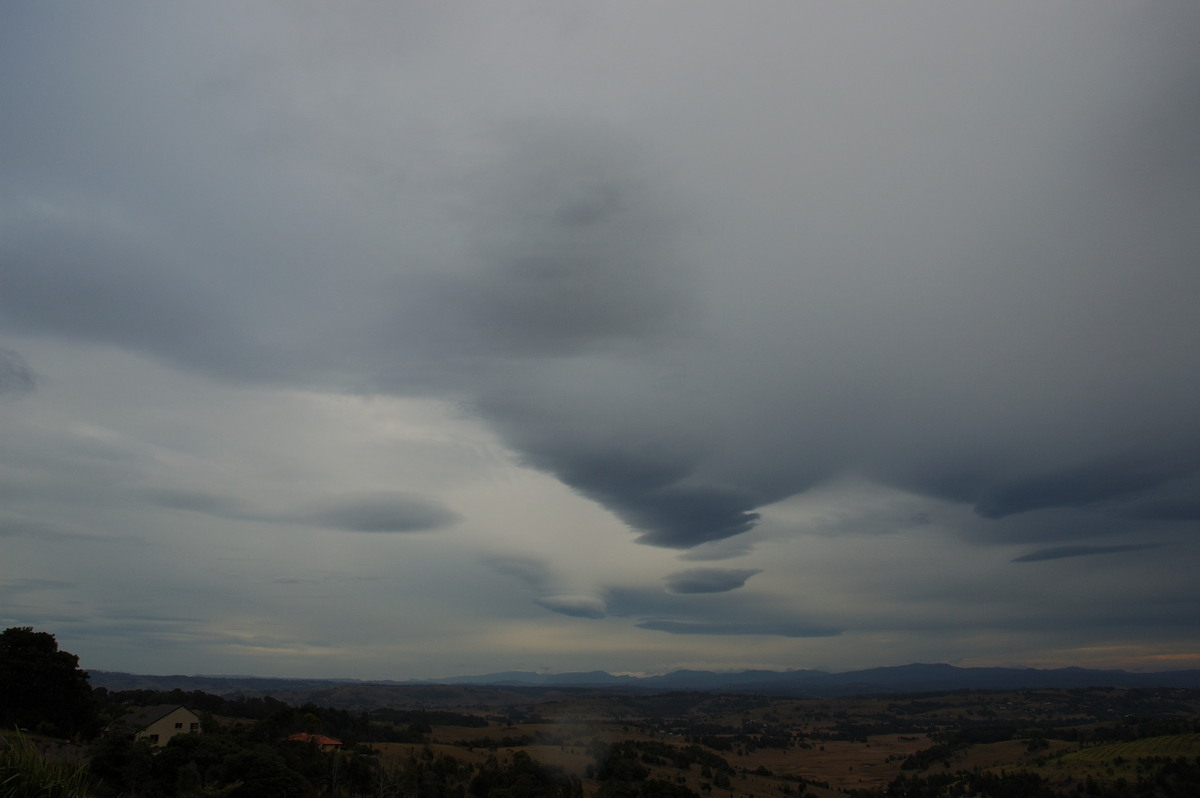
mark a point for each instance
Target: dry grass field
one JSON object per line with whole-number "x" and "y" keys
{"x": 811, "y": 747}
{"x": 842, "y": 765}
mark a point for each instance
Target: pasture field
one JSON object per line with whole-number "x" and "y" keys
{"x": 823, "y": 748}
{"x": 830, "y": 767}
{"x": 1172, "y": 746}
{"x": 1120, "y": 760}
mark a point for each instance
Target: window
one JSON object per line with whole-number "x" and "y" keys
{"x": 194, "y": 727}
{"x": 178, "y": 725}
{"x": 154, "y": 738}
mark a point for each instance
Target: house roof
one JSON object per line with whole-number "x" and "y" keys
{"x": 319, "y": 739}
{"x": 142, "y": 717}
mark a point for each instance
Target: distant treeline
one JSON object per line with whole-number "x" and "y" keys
{"x": 955, "y": 741}
{"x": 379, "y": 725}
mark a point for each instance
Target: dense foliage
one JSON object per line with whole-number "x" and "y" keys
{"x": 42, "y": 688}
{"x": 1156, "y": 777}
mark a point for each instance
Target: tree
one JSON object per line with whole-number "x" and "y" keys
{"x": 41, "y": 686}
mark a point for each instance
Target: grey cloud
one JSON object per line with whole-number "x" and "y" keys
{"x": 16, "y": 376}
{"x": 119, "y": 624}
{"x": 850, "y": 301}
{"x": 712, "y": 614}
{"x": 650, "y": 487}
{"x": 953, "y": 253}
{"x": 74, "y": 278}
{"x": 674, "y": 516}
{"x": 1087, "y": 484}
{"x": 368, "y": 512}
{"x": 1174, "y": 501}
{"x": 710, "y": 580}
{"x": 625, "y": 602}
{"x": 17, "y": 585}
{"x": 572, "y": 248}
{"x": 765, "y": 417}
{"x": 1061, "y": 552}
{"x": 205, "y": 502}
{"x": 384, "y": 512}
{"x": 579, "y": 264}
{"x": 532, "y": 572}
{"x": 19, "y": 527}
{"x": 734, "y": 628}
{"x": 325, "y": 578}
{"x": 1166, "y": 510}
{"x": 684, "y": 516}
{"x": 537, "y": 576}
{"x": 724, "y": 549}
{"x": 577, "y": 606}
{"x": 122, "y": 614}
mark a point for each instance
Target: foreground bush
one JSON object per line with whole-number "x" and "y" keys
{"x": 25, "y": 773}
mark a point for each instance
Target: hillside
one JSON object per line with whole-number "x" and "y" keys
{"x": 516, "y": 687}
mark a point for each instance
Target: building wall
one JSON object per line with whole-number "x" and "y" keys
{"x": 179, "y": 721}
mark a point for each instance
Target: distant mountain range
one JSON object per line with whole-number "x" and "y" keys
{"x": 916, "y": 678}
{"x": 903, "y": 678}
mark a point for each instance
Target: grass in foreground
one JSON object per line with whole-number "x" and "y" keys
{"x": 26, "y": 773}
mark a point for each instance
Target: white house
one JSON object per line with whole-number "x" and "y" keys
{"x": 162, "y": 722}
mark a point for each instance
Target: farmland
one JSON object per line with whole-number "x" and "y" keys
{"x": 562, "y": 743}
{"x": 745, "y": 746}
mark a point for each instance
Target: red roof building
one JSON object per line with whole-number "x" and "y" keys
{"x": 323, "y": 742}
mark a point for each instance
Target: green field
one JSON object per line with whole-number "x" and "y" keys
{"x": 1172, "y": 746}
{"x": 1113, "y": 761}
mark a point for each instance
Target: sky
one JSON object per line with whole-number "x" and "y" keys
{"x": 404, "y": 340}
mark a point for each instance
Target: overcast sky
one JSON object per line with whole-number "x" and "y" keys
{"x": 402, "y": 340}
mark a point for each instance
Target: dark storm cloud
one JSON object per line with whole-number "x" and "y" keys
{"x": 747, "y": 628}
{"x": 16, "y": 376}
{"x": 1062, "y": 552}
{"x": 383, "y": 512}
{"x": 709, "y": 580}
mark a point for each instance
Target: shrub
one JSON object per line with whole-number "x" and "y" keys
{"x": 25, "y": 773}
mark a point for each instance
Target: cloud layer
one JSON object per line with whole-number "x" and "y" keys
{"x": 582, "y": 299}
